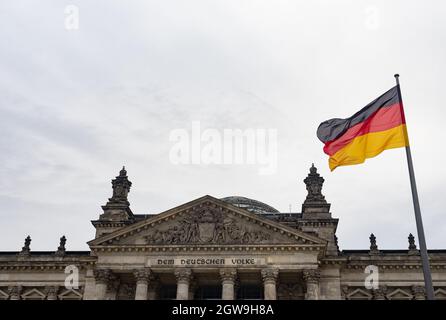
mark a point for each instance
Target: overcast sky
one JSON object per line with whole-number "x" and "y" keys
{"x": 76, "y": 105}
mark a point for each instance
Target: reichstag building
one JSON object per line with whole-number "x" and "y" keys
{"x": 208, "y": 248}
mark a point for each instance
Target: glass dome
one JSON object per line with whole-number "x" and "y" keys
{"x": 251, "y": 205}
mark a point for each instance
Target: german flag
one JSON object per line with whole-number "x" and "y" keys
{"x": 378, "y": 126}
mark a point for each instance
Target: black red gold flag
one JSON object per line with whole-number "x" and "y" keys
{"x": 378, "y": 126}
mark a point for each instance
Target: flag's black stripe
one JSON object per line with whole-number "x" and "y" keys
{"x": 334, "y": 128}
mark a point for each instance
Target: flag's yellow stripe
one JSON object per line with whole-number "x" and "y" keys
{"x": 369, "y": 146}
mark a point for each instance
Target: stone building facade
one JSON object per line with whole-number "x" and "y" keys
{"x": 230, "y": 248}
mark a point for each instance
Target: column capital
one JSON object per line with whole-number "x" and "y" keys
{"x": 184, "y": 277}
{"x": 311, "y": 275}
{"x": 419, "y": 292}
{"x": 14, "y": 292}
{"x": 380, "y": 293}
{"x": 51, "y": 292}
{"x": 102, "y": 275}
{"x": 344, "y": 291}
{"x": 143, "y": 275}
{"x": 270, "y": 274}
{"x": 183, "y": 274}
{"x": 228, "y": 274}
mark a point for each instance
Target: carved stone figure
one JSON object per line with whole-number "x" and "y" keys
{"x": 207, "y": 225}
{"x": 61, "y": 248}
{"x": 26, "y": 248}
{"x": 121, "y": 187}
{"x": 373, "y": 245}
{"x": 412, "y": 245}
{"x": 314, "y": 184}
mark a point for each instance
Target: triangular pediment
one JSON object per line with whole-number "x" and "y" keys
{"x": 440, "y": 294}
{"x": 33, "y": 294}
{"x": 399, "y": 294}
{"x": 70, "y": 294}
{"x": 206, "y": 221}
{"x": 359, "y": 294}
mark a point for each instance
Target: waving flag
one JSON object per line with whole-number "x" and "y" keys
{"x": 378, "y": 126}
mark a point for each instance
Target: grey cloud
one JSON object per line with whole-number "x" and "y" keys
{"x": 77, "y": 105}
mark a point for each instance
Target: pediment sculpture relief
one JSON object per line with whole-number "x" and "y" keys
{"x": 207, "y": 226}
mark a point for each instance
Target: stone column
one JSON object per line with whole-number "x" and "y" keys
{"x": 51, "y": 292}
{"x": 228, "y": 276}
{"x": 102, "y": 277}
{"x": 311, "y": 278}
{"x": 419, "y": 293}
{"x": 142, "y": 277}
{"x": 269, "y": 277}
{"x": 183, "y": 276}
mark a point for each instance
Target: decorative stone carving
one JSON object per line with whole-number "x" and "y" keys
{"x": 184, "y": 277}
{"x": 61, "y": 249}
{"x": 15, "y": 292}
{"x": 412, "y": 246}
{"x": 207, "y": 225}
{"x": 312, "y": 275}
{"x": 26, "y": 249}
{"x": 419, "y": 292}
{"x": 228, "y": 274}
{"x": 118, "y": 206}
{"x": 51, "y": 292}
{"x": 102, "y": 276}
{"x": 142, "y": 275}
{"x": 315, "y": 205}
{"x": 314, "y": 184}
{"x": 380, "y": 293}
{"x": 311, "y": 278}
{"x": 183, "y": 274}
{"x": 269, "y": 276}
{"x": 121, "y": 187}
{"x": 228, "y": 278}
{"x": 373, "y": 245}
{"x": 402, "y": 293}
{"x": 344, "y": 292}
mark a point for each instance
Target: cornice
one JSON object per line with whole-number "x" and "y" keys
{"x": 36, "y": 266}
{"x": 268, "y": 248}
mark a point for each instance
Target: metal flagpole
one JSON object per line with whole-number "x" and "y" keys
{"x": 419, "y": 221}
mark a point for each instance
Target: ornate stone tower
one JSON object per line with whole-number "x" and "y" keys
{"x": 316, "y": 216}
{"x": 117, "y": 211}
{"x": 315, "y": 205}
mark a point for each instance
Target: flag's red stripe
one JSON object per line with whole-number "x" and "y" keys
{"x": 383, "y": 119}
